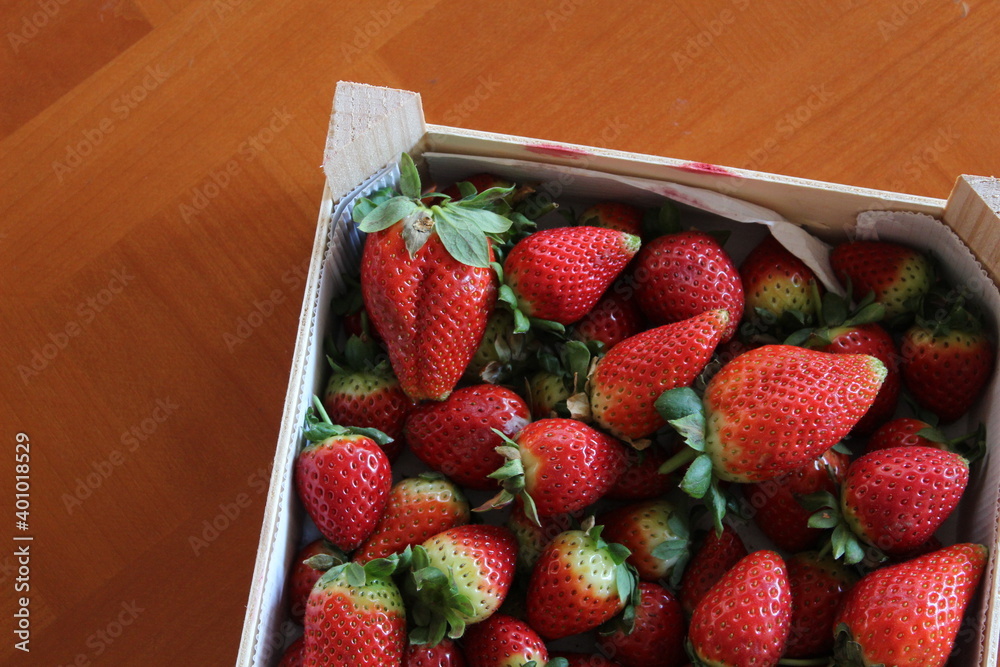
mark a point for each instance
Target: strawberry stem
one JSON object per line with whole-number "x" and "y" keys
{"x": 318, "y": 404}
{"x": 678, "y": 460}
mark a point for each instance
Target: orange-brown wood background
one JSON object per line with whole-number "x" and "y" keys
{"x": 160, "y": 178}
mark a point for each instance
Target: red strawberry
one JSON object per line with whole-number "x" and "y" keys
{"x": 504, "y": 641}
{"x": 895, "y": 499}
{"x": 445, "y": 654}
{"x": 642, "y": 479}
{"x": 559, "y": 274}
{"x": 613, "y": 215}
{"x": 745, "y": 618}
{"x": 343, "y": 479}
{"x": 459, "y": 576}
{"x": 777, "y": 287}
{"x": 612, "y": 319}
{"x": 681, "y": 275}
{"x": 558, "y": 466}
{"x": 295, "y": 654}
{"x": 717, "y": 555}
{"x": 909, "y": 614}
{"x": 533, "y": 538}
{"x": 901, "y": 432}
{"x": 776, "y": 503}
{"x": 633, "y": 374}
{"x": 873, "y": 340}
{"x": 946, "y": 367}
{"x": 355, "y": 617}
{"x": 362, "y": 391}
{"x": 899, "y": 276}
{"x": 658, "y": 637}
{"x": 456, "y": 436}
{"x": 304, "y": 576}
{"x": 418, "y": 508}
{"x": 427, "y": 282}
{"x": 579, "y": 582}
{"x": 818, "y": 585}
{"x": 654, "y": 532}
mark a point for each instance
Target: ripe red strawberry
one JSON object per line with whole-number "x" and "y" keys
{"x": 778, "y": 287}
{"x": 445, "y": 654}
{"x": 899, "y": 276}
{"x": 559, "y": 274}
{"x": 613, "y": 215}
{"x": 418, "y": 508}
{"x": 717, "y": 555}
{"x": 456, "y": 436}
{"x": 558, "y": 466}
{"x": 776, "y": 504}
{"x": 343, "y": 479}
{"x": 295, "y": 654}
{"x": 745, "y": 618}
{"x": 654, "y": 532}
{"x": 459, "y": 576}
{"x": 658, "y": 637}
{"x": 902, "y": 432}
{"x": 946, "y": 367}
{"x": 427, "y": 282}
{"x": 678, "y": 276}
{"x": 873, "y": 340}
{"x": 362, "y": 391}
{"x": 612, "y": 319}
{"x": 818, "y": 585}
{"x": 355, "y": 616}
{"x": 304, "y": 576}
{"x": 504, "y": 641}
{"x": 909, "y": 614}
{"x": 642, "y": 479}
{"x": 895, "y": 499}
{"x": 579, "y": 582}
{"x": 633, "y": 374}
{"x": 533, "y": 538}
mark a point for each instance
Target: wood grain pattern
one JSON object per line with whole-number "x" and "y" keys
{"x": 161, "y": 174}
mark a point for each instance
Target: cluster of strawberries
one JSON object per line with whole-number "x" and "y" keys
{"x": 620, "y": 359}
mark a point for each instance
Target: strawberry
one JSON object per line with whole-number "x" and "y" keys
{"x": 533, "y": 538}
{"x": 642, "y": 479}
{"x": 459, "y": 576}
{"x": 557, "y": 466}
{"x": 717, "y": 555}
{"x": 776, "y": 505}
{"x": 613, "y": 215}
{"x": 768, "y": 411}
{"x": 304, "y": 576}
{"x": 630, "y": 377}
{"x": 612, "y": 319}
{"x": 501, "y": 351}
{"x": 655, "y": 533}
{"x": 559, "y": 274}
{"x": 909, "y": 614}
{"x": 745, "y": 618}
{"x": 579, "y": 582}
{"x": 902, "y": 432}
{"x": 427, "y": 282}
{"x": 557, "y": 390}
{"x": 355, "y": 616}
{"x": 456, "y": 436}
{"x": 504, "y": 641}
{"x": 947, "y": 362}
{"x": 547, "y": 392}
{"x": 899, "y": 276}
{"x": 362, "y": 391}
{"x": 418, "y": 508}
{"x": 818, "y": 584}
{"x": 894, "y": 499}
{"x": 678, "y": 276}
{"x": 445, "y": 654}
{"x": 778, "y": 288}
{"x": 343, "y": 479}
{"x": 295, "y": 654}
{"x": 657, "y": 640}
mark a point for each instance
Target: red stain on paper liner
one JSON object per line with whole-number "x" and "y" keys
{"x": 705, "y": 168}
{"x": 553, "y": 150}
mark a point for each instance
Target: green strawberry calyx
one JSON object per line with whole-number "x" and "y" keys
{"x": 626, "y": 576}
{"x": 327, "y": 561}
{"x": 437, "y": 607}
{"x": 843, "y": 544}
{"x": 836, "y": 317}
{"x": 682, "y": 408}
{"x": 512, "y": 482}
{"x": 465, "y": 226}
{"x": 847, "y": 651}
{"x": 357, "y": 575}
{"x": 676, "y": 549}
{"x": 320, "y": 427}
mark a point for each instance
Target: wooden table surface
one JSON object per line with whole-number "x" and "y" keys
{"x": 160, "y": 172}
